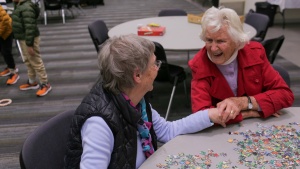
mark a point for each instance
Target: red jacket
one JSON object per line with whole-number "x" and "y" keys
{"x": 256, "y": 77}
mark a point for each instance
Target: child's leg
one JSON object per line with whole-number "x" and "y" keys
{"x": 6, "y": 50}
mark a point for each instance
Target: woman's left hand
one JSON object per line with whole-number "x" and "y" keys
{"x": 250, "y": 113}
{"x": 277, "y": 114}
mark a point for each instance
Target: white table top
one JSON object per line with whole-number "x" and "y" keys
{"x": 216, "y": 138}
{"x": 180, "y": 34}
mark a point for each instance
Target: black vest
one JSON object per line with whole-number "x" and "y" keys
{"x": 119, "y": 116}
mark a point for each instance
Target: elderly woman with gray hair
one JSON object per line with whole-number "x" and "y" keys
{"x": 233, "y": 74}
{"x": 115, "y": 126}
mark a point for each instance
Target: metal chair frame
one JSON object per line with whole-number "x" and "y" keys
{"x": 53, "y": 5}
{"x": 169, "y": 73}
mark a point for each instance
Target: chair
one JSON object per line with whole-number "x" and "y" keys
{"x": 169, "y": 73}
{"x": 98, "y": 32}
{"x": 272, "y": 47}
{"x": 52, "y": 5}
{"x": 260, "y": 22}
{"x": 46, "y": 146}
{"x": 214, "y": 3}
{"x": 283, "y": 73}
{"x": 172, "y": 12}
{"x": 76, "y": 4}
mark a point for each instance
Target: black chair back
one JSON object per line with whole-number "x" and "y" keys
{"x": 98, "y": 32}
{"x": 52, "y": 4}
{"x": 169, "y": 73}
{"x": 260, "y": 22}
{"x": 272, "y": 47}
{"x": 45, "y": 147}
{"x": 70, "y": 3}
{"x": 172, "y": 12}
{"x": 163, "y": 72}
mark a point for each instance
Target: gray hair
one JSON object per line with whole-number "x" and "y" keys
{"x": 218, "y": 17}
{"x": 119, "y": 57}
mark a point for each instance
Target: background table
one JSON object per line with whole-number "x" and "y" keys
{"x": 216, "y": 138}
{"x": 180, "y": 35}
{"x": 283, "y": 5}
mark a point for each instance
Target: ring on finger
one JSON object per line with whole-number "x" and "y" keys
{"x": 231, "y": 112}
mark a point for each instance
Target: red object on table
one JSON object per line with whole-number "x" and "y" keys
{"x": 151, "y": 31}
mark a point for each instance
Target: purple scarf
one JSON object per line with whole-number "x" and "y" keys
{"x": 143, "y": 127}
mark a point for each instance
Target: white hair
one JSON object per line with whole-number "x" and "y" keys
{"x": 218, "y": 17}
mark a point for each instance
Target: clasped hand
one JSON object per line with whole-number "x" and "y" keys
{"x": 231, "y": 107}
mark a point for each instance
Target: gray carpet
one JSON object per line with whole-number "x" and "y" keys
{"x": 70, "y": 59}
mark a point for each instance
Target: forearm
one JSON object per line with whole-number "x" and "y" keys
{"x": 244, "y": 103}
{"x": 97, "y": 143}
{"x": 274, "y": 100}
{"x": 166, "y": 130}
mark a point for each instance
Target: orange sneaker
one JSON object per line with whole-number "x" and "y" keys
{"x": 13, "y": 78}
{"x": 44, "y": 89}
{"x": 29, "y": 86}
{"x": 6, "y": 72}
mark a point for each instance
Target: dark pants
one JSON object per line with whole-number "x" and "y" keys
{"x": 6, "y": 51}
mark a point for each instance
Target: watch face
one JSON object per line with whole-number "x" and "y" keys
{"x": 250, "y": 106}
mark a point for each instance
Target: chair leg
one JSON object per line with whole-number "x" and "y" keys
{"x": 45, "y": 17}
{"x": 186, "y": 94}
{"x": 63, "y": 15}
{"x": 171, "y": 98}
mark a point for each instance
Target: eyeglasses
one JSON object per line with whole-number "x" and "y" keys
{"x": 158, "y": 63}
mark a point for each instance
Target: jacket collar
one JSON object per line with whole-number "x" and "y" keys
{"x": 202, "y": 67}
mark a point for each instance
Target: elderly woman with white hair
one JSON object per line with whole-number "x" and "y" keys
{"x": 233, "y": 74}
{"x": 115, "y": 126}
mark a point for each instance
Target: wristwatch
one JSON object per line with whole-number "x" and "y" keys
{"x": 250, "y": 105}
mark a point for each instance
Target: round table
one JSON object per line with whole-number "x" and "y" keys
{"x": 180, "y": 35}
{"x": 218, "y": 139}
